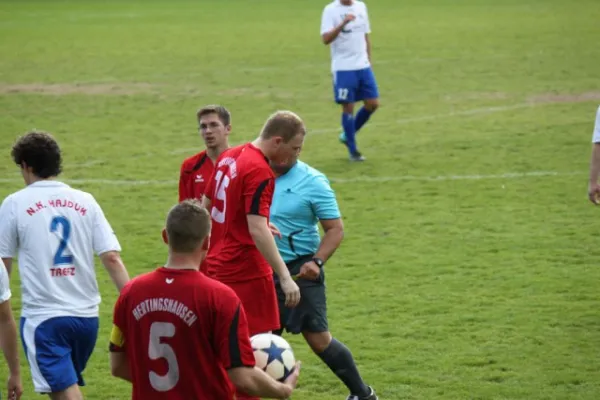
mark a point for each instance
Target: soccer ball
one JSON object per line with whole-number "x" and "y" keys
{"x": 274, "y": 355}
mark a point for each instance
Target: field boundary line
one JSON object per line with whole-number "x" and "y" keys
{"x": 472, "y": 111}
{"x": 357, "y": 179}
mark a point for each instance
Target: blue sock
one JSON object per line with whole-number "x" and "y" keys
{"x": 348, "y": 125}
{"x": 362, "y": 116}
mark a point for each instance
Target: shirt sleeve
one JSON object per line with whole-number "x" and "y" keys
{"x": 232, "y": 335}
{"x": 209, "y": 190}
{"x": 4, "y": 284}
{"x": 104, "y": 238}
{"x": 8, "y": 229}
{"x": 183, "y": 190}
{"x": 367, "y": 22}
{"x": 117, "y": 336}
{"x": 258, "y": 189}
{"x": 323, "y": 200}
{"x": 327, "y": 21}
{"x": 596, "y": 135}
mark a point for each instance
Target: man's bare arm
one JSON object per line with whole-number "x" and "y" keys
{"x": 334, "y": 234}
{"x": 8, "y": 264}
{"x": 256, "y": 382}
{"x": 594, "y": 186}
{"x": 8, "y": 338}
{"x": 206, "y": 203}
{"x": 115, "y": 267}
{"x": 265, "y": 243}
{"x": 330, "y": 36}
{"x": 119, "y": 366}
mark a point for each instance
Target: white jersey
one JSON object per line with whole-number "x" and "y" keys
{"x": 4, "y": 284}
{"x": 56, "y": 230}
{"x": 349, "y": 49}
{"x": 596, "y": 135}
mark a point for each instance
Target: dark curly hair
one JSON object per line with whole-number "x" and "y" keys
{"x": 39, "y": 151}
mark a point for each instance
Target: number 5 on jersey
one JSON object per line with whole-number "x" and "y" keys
{"x": 158, "y": 350}
{"x": 221, "y": 187}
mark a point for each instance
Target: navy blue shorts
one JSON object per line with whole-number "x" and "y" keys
{"x": 58, "y": 350}
{"x": 353, "y": 86}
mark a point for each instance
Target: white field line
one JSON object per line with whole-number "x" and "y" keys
{"x": 367, "y": 179}
{"x": 508, "y": 175}
{"x": 433, "y": 117}
{"x": 473, "y": 111}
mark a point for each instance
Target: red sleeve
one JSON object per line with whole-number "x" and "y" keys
{"x": 184, "y": 192}
{"x": 232, "y": 337}
{"x": 209, "y": 190}
{"x": 258, "y": 191}
{"x": 117, "y": 336}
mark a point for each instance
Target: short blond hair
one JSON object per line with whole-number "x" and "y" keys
{"x": 187, "y": 226}
{"x": 285, "y": 124}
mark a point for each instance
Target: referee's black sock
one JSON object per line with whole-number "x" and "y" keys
{"x": 339, "y": 359}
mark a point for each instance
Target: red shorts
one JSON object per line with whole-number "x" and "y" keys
{"x": 259, "y": 299}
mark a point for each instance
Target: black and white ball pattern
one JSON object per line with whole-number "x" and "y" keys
{"x": 274, "y": 355}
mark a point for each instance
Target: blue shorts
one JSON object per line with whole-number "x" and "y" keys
{"x": 353, "y": 86}
{"x": 58, "y": 350}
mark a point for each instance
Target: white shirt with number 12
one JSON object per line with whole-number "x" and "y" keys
{"x": 349, "y": 49}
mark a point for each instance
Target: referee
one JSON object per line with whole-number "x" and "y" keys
{"x": 303, "y": 199}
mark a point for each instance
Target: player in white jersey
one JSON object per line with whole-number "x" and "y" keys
{"x": 8, "y": 338}
{"x": 345, "y": 26}
{"x": 594, "y": 186}
{"x": 56, "y": 230}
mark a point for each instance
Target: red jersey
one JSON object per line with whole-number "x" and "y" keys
{"x": 194, "y": 175}
{"x": 242, "y": 184}
{"x": 180, "y": 330}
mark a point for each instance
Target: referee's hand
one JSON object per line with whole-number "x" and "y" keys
{"x": 309, "y": 271}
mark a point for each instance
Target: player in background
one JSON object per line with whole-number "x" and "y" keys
{"x": 56, "y": 230}
{"x": 180, "y": 335}
{"x": 594, "y": 186}
{"x": 243, "y": 253}
{"x": 304, "y": 199}
{"x": 214, "y": 123}
{"x": 345, "y": 27}
{"x": 8, "y": 338}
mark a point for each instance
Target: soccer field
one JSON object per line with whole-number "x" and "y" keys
{"x": 469, "y": 269}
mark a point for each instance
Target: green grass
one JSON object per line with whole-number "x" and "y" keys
{"x": 479, "y": 288}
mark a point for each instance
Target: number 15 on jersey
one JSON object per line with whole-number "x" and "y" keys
{"x": 222, "y": 182}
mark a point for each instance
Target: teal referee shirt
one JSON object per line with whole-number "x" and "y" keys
{"x": 302, "y": 197}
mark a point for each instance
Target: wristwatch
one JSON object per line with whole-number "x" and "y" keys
{"x": 318, "y": 261}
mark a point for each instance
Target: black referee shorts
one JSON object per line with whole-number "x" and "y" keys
{"x": 310, "y": 315}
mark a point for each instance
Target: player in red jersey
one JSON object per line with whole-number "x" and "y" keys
{"x": 214, "y": 123}
{"x": 239, "y": 196}
{"x": 242, "y": 249}
{"x": 178, "y": 334}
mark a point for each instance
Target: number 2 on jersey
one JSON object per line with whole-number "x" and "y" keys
{"x": 221, "y": 187}
{"x": 59, "y": 257}
{"x": 158, "y": 350}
